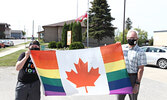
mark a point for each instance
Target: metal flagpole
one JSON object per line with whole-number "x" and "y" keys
{"x": 88, "y": 25}
{"x": 77, "y": 8}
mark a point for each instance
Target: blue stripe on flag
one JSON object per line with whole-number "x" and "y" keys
{"x": 53, "y": 88}
{"x": 122, "y": 83}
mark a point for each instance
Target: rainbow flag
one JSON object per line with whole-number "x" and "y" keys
{"x": 93, "y": 71}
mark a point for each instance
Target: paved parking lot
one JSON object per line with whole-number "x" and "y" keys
{"x": 153, "y": 86}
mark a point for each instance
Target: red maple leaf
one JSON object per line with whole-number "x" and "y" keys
{"x": 83, "y": 78}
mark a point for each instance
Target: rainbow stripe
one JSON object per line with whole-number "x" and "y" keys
{"x": 118, "y": 79}
{"x": 48, "y": 71}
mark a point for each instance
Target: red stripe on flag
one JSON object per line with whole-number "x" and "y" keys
{"x": 45, "y": 59}
{"x": 111, "y": 53}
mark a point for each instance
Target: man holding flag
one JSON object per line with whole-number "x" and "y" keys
{"x": 135, "y": 60}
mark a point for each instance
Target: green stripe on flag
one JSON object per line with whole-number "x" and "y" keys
{"x": 50, "y": 81}
{"x": 117, "y": 75}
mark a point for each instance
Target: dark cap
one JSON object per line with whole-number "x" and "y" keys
{"x": 34, "y": 43}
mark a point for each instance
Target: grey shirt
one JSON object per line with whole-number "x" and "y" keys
{"x": 134, "y": 57}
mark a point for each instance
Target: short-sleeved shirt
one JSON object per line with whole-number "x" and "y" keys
{"x": 28, "y": 73}
{"x": 134, "y": 57}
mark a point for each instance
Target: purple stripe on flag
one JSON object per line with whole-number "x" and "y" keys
{"x": 127, "y": 90}
{"x": 50, "y": 93}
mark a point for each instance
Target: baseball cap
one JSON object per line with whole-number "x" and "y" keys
{"x": 34, "y": 43}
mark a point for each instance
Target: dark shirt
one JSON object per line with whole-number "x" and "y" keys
{"x": 28, "y": 73}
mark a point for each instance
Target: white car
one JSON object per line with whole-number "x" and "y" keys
{"x": 156, "y": 56}
{"x": 8, "y": 43}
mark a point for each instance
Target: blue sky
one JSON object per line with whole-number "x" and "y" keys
{"x": 149, "y": 15}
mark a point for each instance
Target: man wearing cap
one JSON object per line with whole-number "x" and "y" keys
{"x": 135, "y": 60}
{"x": 28, "y": 84}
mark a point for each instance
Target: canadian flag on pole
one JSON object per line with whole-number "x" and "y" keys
{"x": 80, "y": 19}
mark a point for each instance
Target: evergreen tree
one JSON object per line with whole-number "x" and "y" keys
{"x": 76, "y": 32}
{"x": 70, "y": 26}
{"x": 151, "y": 41}
{"x": 128, "y": 24}
{"x": 100, "y": 20}
{"x": 80, "y": 32}
{"x": 64, "y": 35}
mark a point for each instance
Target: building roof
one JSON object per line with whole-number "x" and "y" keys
{"x": 4, "y": 24}
{"x": 160, "y": 31}
{"x": 16, "y": 31}
{"x": 62, "y": 24}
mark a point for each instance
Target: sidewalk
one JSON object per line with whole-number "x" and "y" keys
{"x": 11, "y": 50}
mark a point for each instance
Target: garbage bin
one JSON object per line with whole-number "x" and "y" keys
{"x": 42, "y": 47}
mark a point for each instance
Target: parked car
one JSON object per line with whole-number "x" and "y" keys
{"x": 156, "y": 56}
{"x": 2, "y": 45}
{"x": 8, "y": 43}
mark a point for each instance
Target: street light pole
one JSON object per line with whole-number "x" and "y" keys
{"x": 124, "y": 21}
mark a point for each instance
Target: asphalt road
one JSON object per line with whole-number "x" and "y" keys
{"x": 19, "y": 41}
{"x": 153, "y": 86}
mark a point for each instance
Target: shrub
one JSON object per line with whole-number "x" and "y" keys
{"x": 59, "y": 44}
{"x": 76, "y": 45}
{"x": 52, "y": 44}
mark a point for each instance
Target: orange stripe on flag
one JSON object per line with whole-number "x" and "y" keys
{"x": 45, "y": 59}
{"x": 111, "y": 53}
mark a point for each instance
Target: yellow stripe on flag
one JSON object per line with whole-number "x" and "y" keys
{"x": 114, "y": 66}
{"x": 52, "y": 73}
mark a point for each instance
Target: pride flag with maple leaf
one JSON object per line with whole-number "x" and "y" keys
{"x": 93, "y": 71}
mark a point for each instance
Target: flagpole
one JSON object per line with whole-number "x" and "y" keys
{"x": 77, "y": 8}
{"x": 88, "y": 25}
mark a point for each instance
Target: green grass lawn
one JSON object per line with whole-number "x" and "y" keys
{"x": 11, "y": 59}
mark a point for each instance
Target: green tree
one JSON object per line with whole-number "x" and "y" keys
{"x": 76, "y": 32}
{"x": 64, "y": 35}
{"x": 151, "y": 41}
{"x": 128, "y": 24}
{"x": 142, "y": 35}
{"x": 24, "y": 33}
{"x": 70, "y": 26}
{"x": 100, "y": 20}
{"x": 119, "y": 37}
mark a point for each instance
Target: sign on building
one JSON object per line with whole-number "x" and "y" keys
{"x": 69, "y": 37}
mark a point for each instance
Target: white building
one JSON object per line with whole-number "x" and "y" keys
{"x": 160, "y": 38}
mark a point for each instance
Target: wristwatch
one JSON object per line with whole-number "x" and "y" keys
{"x": 137, "y": 82}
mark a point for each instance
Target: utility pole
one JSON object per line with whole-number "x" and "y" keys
{"x": 33, "y": 30}
{"x": 124, "y": 21}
